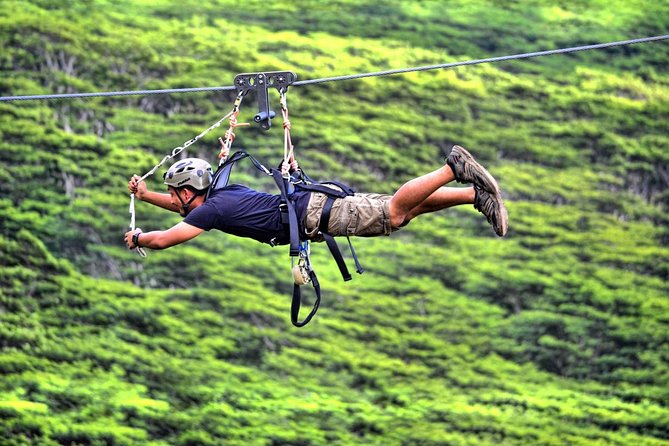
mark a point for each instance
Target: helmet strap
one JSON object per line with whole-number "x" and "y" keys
{"x": 186, "y": 205}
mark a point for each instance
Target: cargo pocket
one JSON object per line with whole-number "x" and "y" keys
{"x": 351, "y": 217}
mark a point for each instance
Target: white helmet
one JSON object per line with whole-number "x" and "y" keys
{"x": 192, "y": 172}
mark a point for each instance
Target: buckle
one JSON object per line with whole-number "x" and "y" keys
{"x": 283, "y": 207}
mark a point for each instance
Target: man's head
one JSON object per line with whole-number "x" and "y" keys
{"x": 187, "y": 180}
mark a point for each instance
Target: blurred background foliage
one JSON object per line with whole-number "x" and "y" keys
{"x": 556, "y": 334}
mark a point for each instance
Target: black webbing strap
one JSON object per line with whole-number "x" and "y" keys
{"x": 297, "y": 300}
{"x": 330, "y": 192}
{"x": 293, "y": 226}
{"x": 332, "y": 244}
{"x": 330, "y": 241}
{"x": 336, "y": 254}
{"x": 222, "y": 175}
{"x": 358, "y": 266}
{"x": 282, "y": 184}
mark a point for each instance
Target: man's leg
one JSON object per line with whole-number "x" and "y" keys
{"x": 413, "y": 193}
{"x": 427, "y": 194}
{"x": 442, "y": 198}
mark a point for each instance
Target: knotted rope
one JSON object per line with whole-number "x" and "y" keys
{"x": 288, "y": 148}
{"x": 226, "y": 144}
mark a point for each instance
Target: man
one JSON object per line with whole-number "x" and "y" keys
{"x": 241, "y": 211}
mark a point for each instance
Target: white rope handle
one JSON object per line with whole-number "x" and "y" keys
{"x": 139, "y": 250}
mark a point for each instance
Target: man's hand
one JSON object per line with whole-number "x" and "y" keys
{"x": 290, "y": 167}
{"x": 137, "y": 187}
{"x": 128, "y": 238}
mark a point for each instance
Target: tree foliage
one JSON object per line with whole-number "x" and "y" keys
{"x": 556, "y": 334}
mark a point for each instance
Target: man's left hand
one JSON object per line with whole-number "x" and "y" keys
{"x": 128, "y": 238}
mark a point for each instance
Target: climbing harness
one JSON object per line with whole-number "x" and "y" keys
{"x": 299, "y": 246}
{"x": 288, "y": 184}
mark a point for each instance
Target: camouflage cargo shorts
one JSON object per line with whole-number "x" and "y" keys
{"x": 361, "y": 215}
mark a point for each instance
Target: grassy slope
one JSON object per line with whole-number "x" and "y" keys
{"x": 556, "y": 334}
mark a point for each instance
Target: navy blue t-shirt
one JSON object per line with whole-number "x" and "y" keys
{"x": 244, "y": 212}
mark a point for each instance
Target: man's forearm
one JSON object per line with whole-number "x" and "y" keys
{"x": 152, "y": 240}
{"x": 160, "y": 200}
{"x": 179, "y": 233}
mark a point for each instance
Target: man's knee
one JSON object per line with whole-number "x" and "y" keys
{"x": 398, "y": 217}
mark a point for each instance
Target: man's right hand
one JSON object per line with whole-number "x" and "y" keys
{"x": 137, "y": 187}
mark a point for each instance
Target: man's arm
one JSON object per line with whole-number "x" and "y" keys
{"x": 179, "y": 233}
{"x": 155, "y": 198}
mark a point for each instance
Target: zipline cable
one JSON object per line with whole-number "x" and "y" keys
{"x": 345, "y": 77}
{"x": 113, "y": 93}
{"x": 482, "y": 61}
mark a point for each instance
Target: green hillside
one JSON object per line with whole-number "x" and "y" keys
{"x": 557, "y": 334}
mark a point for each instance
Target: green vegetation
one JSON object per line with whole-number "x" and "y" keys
{"x": 557, "y": 334}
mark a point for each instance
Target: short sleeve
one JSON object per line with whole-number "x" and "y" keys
{"x": 203, "y": 217}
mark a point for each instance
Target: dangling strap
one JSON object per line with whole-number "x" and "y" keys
{"x": 293, "y": 227}
{"x": 330, "y": 241}
{"x": 297, "y": 300}
{"x": 332, "y": 244}
{"x": 282, "y": 179}
{"x": 358, "y": 266}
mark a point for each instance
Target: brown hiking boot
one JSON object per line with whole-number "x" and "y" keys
{"x": 492, "y": 206}
{"x": 467, "y": 170}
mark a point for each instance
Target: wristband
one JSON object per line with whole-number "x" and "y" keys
{"x": 135, "y": 239}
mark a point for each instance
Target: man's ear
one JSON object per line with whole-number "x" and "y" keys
{"x": 186, "y": 194}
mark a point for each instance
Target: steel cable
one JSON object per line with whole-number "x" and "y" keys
{"x": 344, "y": 77}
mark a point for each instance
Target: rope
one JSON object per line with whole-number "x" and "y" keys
{"x": 288, "y": 148}
{"x": 226, "y": 144}
{"x": 138, "y": 249}
{"x": 179, "y": 149}
{"x": 350, "y": 76}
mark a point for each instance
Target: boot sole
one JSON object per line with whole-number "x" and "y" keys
{"x": 502, "y": 223}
